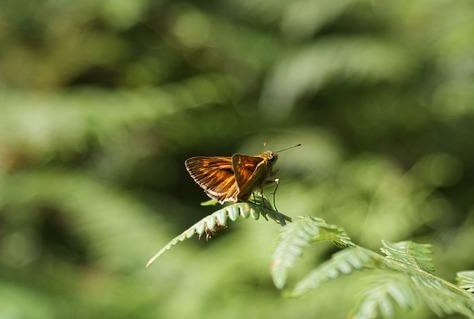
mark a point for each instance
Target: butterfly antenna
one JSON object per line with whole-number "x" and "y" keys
{"x": 297, "y": 145}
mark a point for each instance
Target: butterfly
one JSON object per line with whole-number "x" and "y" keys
{"x": 233, "y": 178}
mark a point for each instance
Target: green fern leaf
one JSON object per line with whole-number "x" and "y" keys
{"x": 217, "y": 220}
{"x": 443, "y": 297}
{"x": 388, "y": 288}
{"x": 295, "y": 237}
{"x": 341, "y": 263}
{"x": 410, "y": 253}
{"x": 414, "y": 260}
{"x": 465, "y": 280}
{"x": 405, "y": 276}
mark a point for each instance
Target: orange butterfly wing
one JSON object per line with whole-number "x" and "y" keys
{"x": 215, "y": 175}
{"x": 252, "y": 171}
{"x": 247, "y": 171}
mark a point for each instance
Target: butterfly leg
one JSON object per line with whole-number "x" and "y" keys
{"x": 277, "y": 183}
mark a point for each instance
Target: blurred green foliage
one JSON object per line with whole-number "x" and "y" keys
{"x": 102, "y": 101}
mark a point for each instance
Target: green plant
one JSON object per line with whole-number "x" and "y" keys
{"x": 402, "y": 276}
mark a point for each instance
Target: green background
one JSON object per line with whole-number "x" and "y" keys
{"x": 102, "y": 101}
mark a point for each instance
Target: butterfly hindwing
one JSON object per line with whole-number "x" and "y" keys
{"x": 215, "y": 175}
{"x": 247, "y": 171}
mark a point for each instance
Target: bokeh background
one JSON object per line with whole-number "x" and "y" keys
{"x": 102, "y": 101}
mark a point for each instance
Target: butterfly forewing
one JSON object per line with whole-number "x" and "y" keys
{"x": 245, "y": 169}
{"x": 215, "y": 175}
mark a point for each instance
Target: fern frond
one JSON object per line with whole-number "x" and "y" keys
{"x": 342, "y": 263}
{"x": 442, "y": 297}
{"x": 465, "y": 280}
{"x": 407, "y": 269}
{"x": 310, "y": 68}
{"x": 215, "y": 221}
{"x": 410, "y": 253}
{"x": 295, "y": 237}
{"x": 387, "y": 288}
{"x": 89, "y": 111}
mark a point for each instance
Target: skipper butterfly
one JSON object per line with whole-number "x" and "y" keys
{"x": 233, "y": 179}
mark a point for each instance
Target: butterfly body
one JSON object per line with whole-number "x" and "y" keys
{"x": 234, "y": 178}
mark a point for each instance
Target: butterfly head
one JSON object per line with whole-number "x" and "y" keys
{"x": 270, "y": 156}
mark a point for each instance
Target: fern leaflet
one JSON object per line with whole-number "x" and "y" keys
{"x": 386, "y": 289}
{"x": 296, "y": 236}
{"x": 465, "y": 280}
{"x": 341, "y": 263}
{"x": 219, "y": 219}
{"x": 416, "y": 255}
